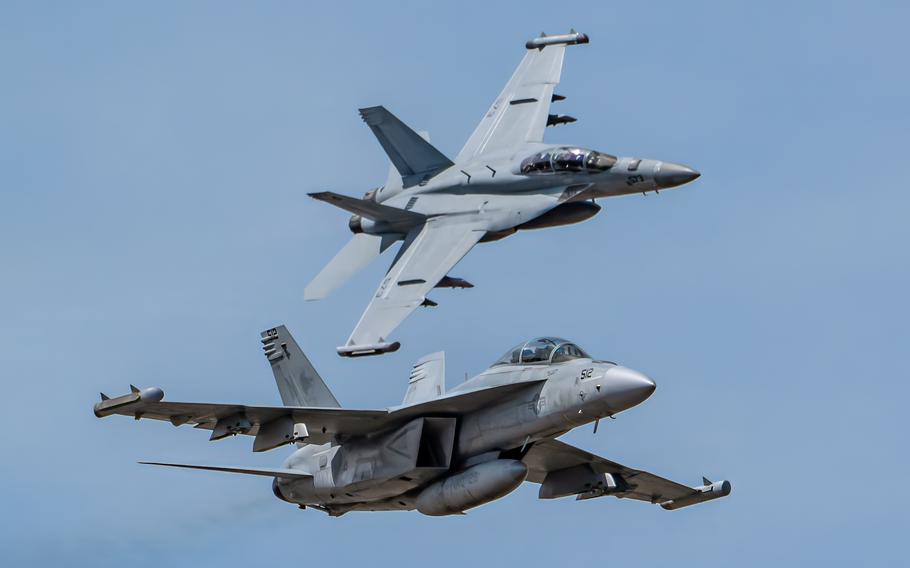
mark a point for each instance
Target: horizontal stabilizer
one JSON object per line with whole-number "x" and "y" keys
{"x": 278, "y": 472}
{"x": 370, "y": 209}
{"x": 359, "y": 252}
{"x": 415, "y": 159}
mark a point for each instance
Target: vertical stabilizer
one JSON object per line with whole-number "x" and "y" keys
{"x": 415, "y": 159}
{"x": 394, "y": 183}
{"x": 298, "y": 382}
{"x": 428, "y": 379}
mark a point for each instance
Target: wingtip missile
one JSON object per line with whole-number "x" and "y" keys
{"x": 573, "y": 38}
{"x": 708, "y": 492}
{"x": 108, "y": 405}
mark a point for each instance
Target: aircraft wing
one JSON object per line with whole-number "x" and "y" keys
{"x": 520, "y": 113}
{"x": 564, "y": 470}
{"x": 224, "y": 420}
{"x": 273, "y": 426}
{"x": 428, "y": 254}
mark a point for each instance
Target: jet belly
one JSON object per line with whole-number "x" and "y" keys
{"x": 496, "y": 212}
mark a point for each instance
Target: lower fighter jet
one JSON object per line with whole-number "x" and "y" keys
{"x": 440, "y": 452}
{"x": 505, "y": 179}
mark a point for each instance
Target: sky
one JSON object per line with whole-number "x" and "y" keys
{"x": 154, "y": 165}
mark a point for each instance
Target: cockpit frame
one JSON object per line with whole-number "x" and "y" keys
{"x": 567, "y": 159}
{"x": 542, "y": 351}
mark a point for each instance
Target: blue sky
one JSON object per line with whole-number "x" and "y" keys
{"x": 154, "y": 164}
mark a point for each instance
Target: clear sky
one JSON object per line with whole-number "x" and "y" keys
{"x": 154, "y": 165}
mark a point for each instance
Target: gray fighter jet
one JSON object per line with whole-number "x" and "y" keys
{"x": 505, "y": 179}
{"x": 440, "y": 452}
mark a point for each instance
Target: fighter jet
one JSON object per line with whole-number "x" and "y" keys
{"x": 439, "y": 452}
{"x": 505, "y": 179}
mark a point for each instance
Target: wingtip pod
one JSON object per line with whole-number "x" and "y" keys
{"x": 704, "y": 493}
{"x": 573, "y": 38}
{"x": 107, "y": 404}
{"x": 368, "y": 349}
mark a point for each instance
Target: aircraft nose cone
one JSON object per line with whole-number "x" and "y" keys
{"x": 627, "y": 387}
{"x": 672, "y": 175}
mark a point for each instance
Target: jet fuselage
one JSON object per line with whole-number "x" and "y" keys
{"x": 494, "y": 189}
{"x": 358, "y": 474}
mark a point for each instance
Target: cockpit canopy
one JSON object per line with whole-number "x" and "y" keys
{"x": 542, "y": 350}
{"x": 567, "y": 159}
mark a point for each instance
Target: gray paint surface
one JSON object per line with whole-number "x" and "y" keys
{"x": 439, "y": 452}
{"x": 441, "y": 208}
{"x": 157, "y": 161}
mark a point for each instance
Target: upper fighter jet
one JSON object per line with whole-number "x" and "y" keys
{"x": 505, "y": 179}
{"x": 438, "y": 452}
